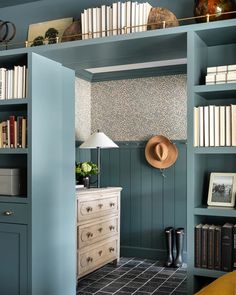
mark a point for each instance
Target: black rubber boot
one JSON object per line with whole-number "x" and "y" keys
{"x": 169, "y": 233}
{"x": 179, "y": 235}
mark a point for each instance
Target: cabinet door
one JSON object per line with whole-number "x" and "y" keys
{"x": 13, "y": 259}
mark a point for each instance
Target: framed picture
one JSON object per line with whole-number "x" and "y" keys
{"x": 222, "y": 188}
{"x": 48, "y": 32}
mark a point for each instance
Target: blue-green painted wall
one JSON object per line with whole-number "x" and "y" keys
{"x": 149, "y": 202}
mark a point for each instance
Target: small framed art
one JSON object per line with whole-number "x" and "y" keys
{"x": 222, "y": 189}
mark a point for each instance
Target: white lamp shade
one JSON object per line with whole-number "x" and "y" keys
{"x": 98, "y": 140}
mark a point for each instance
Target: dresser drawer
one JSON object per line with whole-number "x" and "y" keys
{"x": 96, "y": 256}
{"x": 94, "y": 232}
{"x": 13, "y": 213}
{"x": 94, "y": 207}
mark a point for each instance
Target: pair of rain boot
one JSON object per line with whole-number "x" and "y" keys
{"x": 179, "y": 239}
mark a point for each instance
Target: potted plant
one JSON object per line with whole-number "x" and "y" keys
{"x": 83, "y": 172}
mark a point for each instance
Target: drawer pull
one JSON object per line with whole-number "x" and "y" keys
{"x": 111, "y": 249}
{"x": 100, "y": 206}
{"x": 100, "y": 253}
{"x": 8, "y": 213}
{"x": 100, "y": 229}
{"x": 89, "y": 209}
{"x": 89, "y": 235}
{"x": 111, "y": 227}
{"x": 112, "y": 204}
{"x": 89, "y": 259}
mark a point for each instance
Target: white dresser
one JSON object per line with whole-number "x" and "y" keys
{"x": 98, "y": 228}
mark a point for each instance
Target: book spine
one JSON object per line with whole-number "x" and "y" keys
{"x": 94, "y": 22}
{"x": 228, "y": 126}
{"x": 24, "y": 133}
{"x": 128, "y": 16}
{"x": 227, "y": 248}
{"x": 233, "y": 122}
{"x": 198, "y": 243}
{"x": 217, "y": 125}
{"x": 119, "y": 28}
{"x": 204, "y": 247}
{"x": 86, "y": 21}
{"x": 19, "y": 131}
{"x": 211, "y": 125}
{"x": 133, "y": 17}
{"x": 206, "y": 126}
{"x": 90, "y": 23}
{"x": 201, "y": 127}
{"x": 123, "y": 17}
{"x": 83, "y": 25}
{"x": 196, "y": 126}
{"x": 99, "y": 22}
{"x": 12, "y": 131}
{"x": 222, "y": 125}
{"x": 103, "y": 19}
{"x": 210, "y": 247}
{"x": 114, "y": 19}
{"x": 217, "y": 258}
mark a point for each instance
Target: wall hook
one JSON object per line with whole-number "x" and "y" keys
{"x": 162, "y": 173}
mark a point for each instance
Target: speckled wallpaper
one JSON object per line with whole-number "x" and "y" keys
{"x": 136, "y": 109}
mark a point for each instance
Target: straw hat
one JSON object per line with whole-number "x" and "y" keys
{"x": 160, "y": 152}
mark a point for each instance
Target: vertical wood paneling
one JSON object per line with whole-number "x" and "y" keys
{"x": 149, "y": 201}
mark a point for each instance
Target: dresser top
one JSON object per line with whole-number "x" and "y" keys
{"x": 82, "y": 191}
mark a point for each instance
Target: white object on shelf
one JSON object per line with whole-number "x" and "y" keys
{"x": 231, "y": 77}
{"x": 231, "y": 68}
{"x": 222, "y": 69}
{"x": 9, "y": 181}
{"x": 221, "y": 78}
{"x": 211, "y": 70}
{"x": 210, "y": 79}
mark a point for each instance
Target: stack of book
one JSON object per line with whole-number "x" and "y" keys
{"x": 13, "y": 132}
{"x": 214, "y": 126}
{"x": 221, "y": 75}
{"x": 215, "y": 247}
{"x": 119, "y": 18}
{"x": 13, "y": 82}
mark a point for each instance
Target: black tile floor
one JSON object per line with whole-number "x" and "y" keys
{"x": 134, "y": 276}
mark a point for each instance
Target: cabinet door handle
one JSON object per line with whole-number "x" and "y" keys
{"x": 8, "y": 213}
{"x": 111, "y": 249}
{"x": 112, "y": 204}
{"x": 89, "y": 209}
{"x": 89, "y": 259}
{"x": 89, "y": 235}
{"x": 100, "y": 253}
{"x": 111, "y": 227}
{"x": 100, "y": 229}
{"x": 100, "y": 206}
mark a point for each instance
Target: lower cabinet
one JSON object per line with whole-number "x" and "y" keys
{"x": 13, "y": 259}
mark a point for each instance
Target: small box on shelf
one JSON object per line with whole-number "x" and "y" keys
{"x": 9, "y": 181}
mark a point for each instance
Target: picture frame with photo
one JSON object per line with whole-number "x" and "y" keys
{"x": 48, "y": 32}
{"x": 222, "y": 188}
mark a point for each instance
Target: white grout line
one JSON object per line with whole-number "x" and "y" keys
{"x": 178, "y": 285}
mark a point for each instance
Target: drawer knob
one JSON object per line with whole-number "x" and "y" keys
{"x": 89, "y": 259}
{"x": 100, "y": 229}
{"x": 89, "y": 209}
{"x": 111, "y": 227}
{"x": 100, "y": 206}
{"x": 111, "y": 249}
{"x": 8, "y": 213}
{"x": 112, "y": 204}
{"x": 89, "y": 235}
{"x": 100, "y": 253}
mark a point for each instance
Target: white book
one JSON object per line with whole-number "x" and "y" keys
{"x": 228, "y": 126}
{"x": 2, "y": 83}
{"x": 20, "y": 82}
{"x": 144, "y": 16}
{"x": 211, "y": 125}
{"x": 94, "y": 21}
{"x": 233, "y": 121}
{"x": 201, "y": 126}
{"x": 128, "y": 16}
{"x": 217, "y": 125}
{"x": 206, "y": 126}
{"x": 82, "y": 17}
{"x": 133, "y": 17}
{"x": 114, "y": 19}
{"x": 24, "y": 82}
{"x": 103, "y": 19}
{"x": 140, "y": 19}
{"x": 99, "y": 22}
{"x": 15, "y": 81}
{"x": 10, "y": 75}
{"x": 123, "y": 17}
{"x": 137, "y": 29}
{"x": 90, "y": 23}
{"x": 86, "y": 24}
{"x": 222, "y": 125}
{"x": 196, "y": 126}
{"x": 119, "y": 29}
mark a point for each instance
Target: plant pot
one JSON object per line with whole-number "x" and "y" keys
{"x": 85, "y": 180}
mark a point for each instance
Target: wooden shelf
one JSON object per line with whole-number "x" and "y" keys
{"x": 215, "y": 211}
{"x": 211, "y": 273}
{"x": 14, "y": 199}
{"x": 217, "y": 91}
{"x": 215, "y": 150}
{"x": 13, "y": 151}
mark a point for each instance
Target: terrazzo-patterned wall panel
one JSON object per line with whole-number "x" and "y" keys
{"x": 82, "y": 109}
{"x": 136, "y": 109}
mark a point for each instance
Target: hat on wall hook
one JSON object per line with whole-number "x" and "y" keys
{"x": 161, "y": 153}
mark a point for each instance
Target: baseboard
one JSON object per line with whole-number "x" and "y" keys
{"x": 149, "y": 253}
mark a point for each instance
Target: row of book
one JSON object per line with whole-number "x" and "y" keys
{"x": 215, "y": 246}
{"x": 214, "y": 126}
{"x": 13, "y": 132}
{"x": 13, "y": 82}
{"x": 119, "y": 18}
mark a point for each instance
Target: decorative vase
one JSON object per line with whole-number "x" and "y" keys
{"x": 204, "y": 7}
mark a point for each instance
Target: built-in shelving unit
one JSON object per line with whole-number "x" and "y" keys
{"x": 206, "y": 48}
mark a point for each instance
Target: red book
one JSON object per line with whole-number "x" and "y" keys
{"x": 12, "y": 131}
